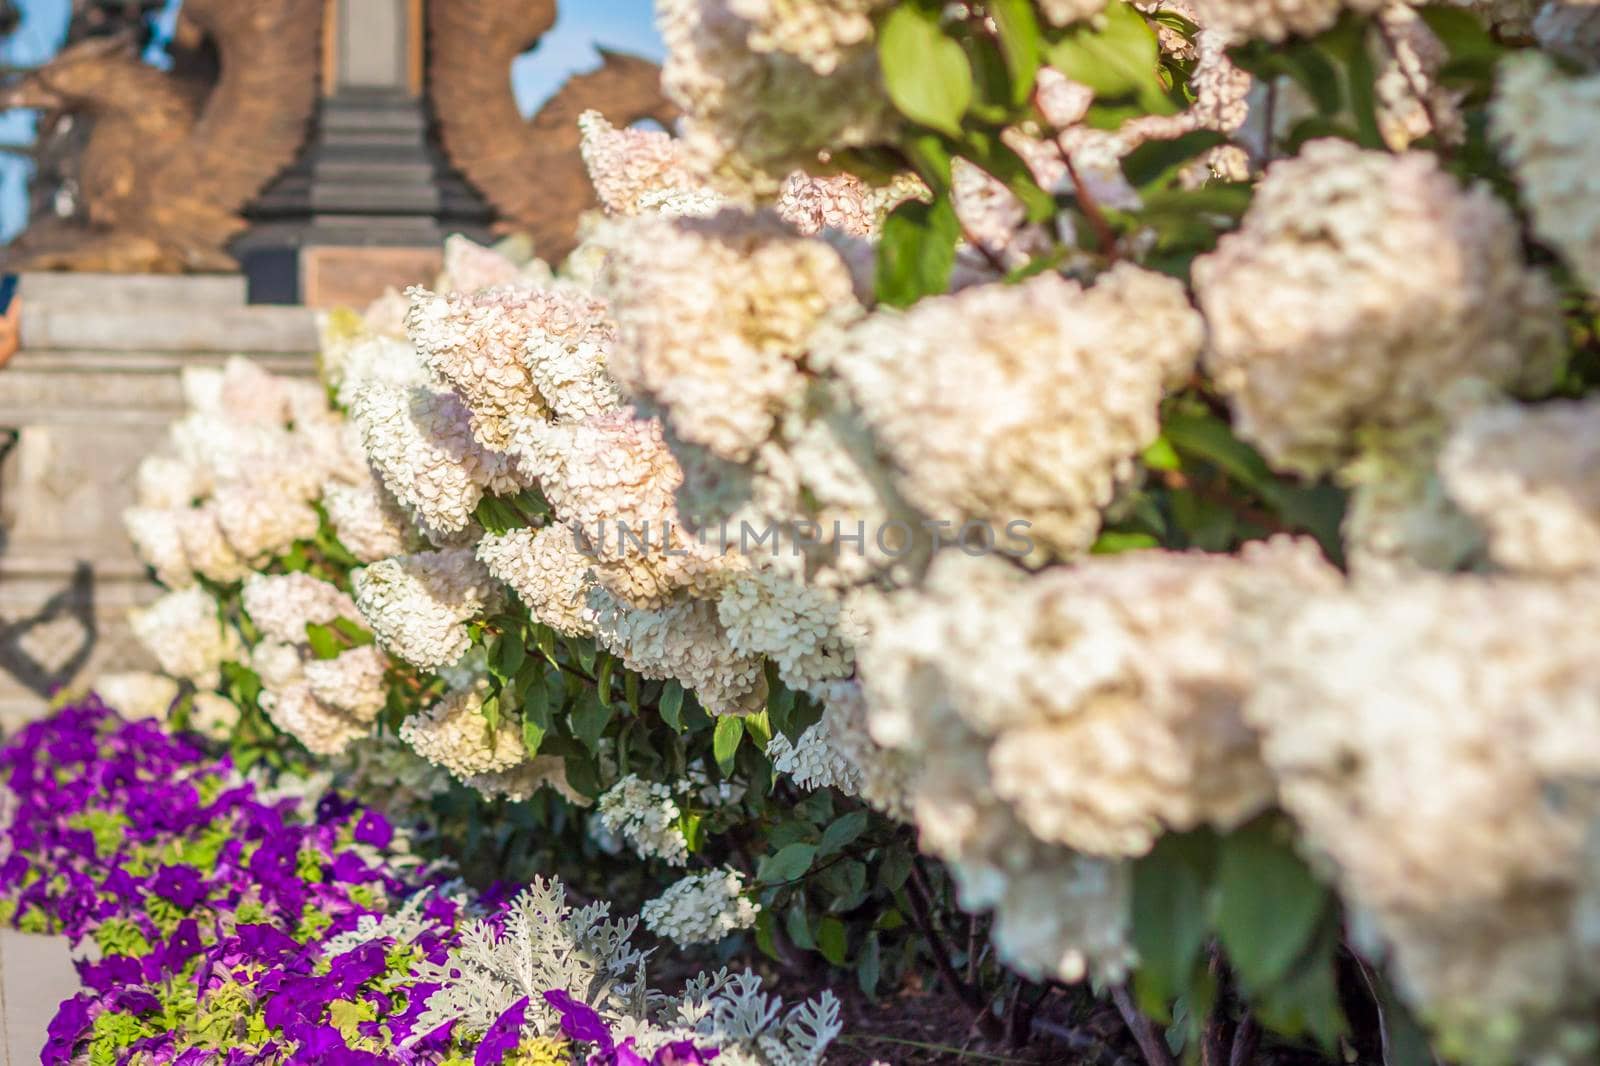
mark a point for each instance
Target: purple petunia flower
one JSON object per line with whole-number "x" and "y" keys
{"x": 580, "y": 1021}
{"x": 374, "y": 829}
{"x": 504, "y": 1035}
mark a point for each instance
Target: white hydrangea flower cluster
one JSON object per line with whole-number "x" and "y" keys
{"x": 1360, "y": 288}
{"x": 1570, "y": 30}
{"x": 324, "y": 704}
{"x": 246, "y": 464}
{"x": 978, "y": 422}
{"x": 1411, "y": 102}
{"x": 419, "y": 604}
{"x": 720, "y": 353}
{"x": 1530, "y": 476}
{"x": 1066, "y": 12}
{"x": 1546, "y": 125}
{"x": 701, "y": 908}
{"x": 295, "y": 709}
{"x": 685, "y": 641}
{"x": 351, "y": 682}
{"x": 1438, "y": 739}
{"x": 548, "y": 571}
{"x": 282, "y": 605}
{"x": 1273, "y": 20}
{"x": 1063, "y": 721}
{"x": 646, "y": 815}
{"x": 819, "y": 34}
{"x": 514, "y": 354}
{"x": 419, "y": 440}
{"x": 613, "y": 479}
{"x": 797, "y": 627}
{"x": 213, "y": 716}
{"x": 745, "y": 98}
{"x": 454, "y": 734}
{"x": 838, "y": 752}
{"x": 137, "y": 694}
{"x": 368, "y": 521}
{"x": 184, "y": 632}
{"x": 636, "y": 171}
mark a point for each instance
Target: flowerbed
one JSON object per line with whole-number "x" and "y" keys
{"x": 220, "y": 920}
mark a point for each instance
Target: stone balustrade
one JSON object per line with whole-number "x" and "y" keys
{"x": 89, "y": 394}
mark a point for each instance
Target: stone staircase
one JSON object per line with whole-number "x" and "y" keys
{"x": 89, "y": 394}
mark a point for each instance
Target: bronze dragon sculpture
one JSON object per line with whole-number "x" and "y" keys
{"x": 172, "y": 159}
{"x": 530, "y": 170}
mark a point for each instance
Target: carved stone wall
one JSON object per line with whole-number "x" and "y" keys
{"x": 90, "y": 394}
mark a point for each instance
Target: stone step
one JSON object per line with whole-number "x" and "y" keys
{"x": 177, "y": 327}
{"x": 374, "y": 168}
{"x": 420, "y": 200}
{"x": 36, "y": 974}
{"x": 100, "y": 291}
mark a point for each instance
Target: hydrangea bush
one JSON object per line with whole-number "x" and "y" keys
{"x": 1141, "y": 453}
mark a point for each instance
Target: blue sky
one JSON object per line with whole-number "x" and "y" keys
{"x": 625, "y": 25}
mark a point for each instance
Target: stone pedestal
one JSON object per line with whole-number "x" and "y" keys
{"x": 372, "y": 192}
{"x": 90, "y": 393}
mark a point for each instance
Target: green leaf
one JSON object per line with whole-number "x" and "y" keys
{"x": 1405, "y": 1043}
{"x": 324, "y": 642}
{"x": 846, "y": 881}
{"x": 1160, "y": 455}
{"x": 1207, "y": 437}
{"x": 491, "y": 713}
{"x": 832, "y": 940}
{"x": 927, "y": 74}
{"x": 797, "y": 923}
{"x": 1306, "y": 1000}
{"x": 842, "y": 833}
{"x": 356, "y": 635}
{"x": 1159, "y": 162}
{"x": 1118, "y": 60}
{"x": 1346, "y": 43}
{"x": 1020, "y": 42}
{"x": 764, "y": 938}
{"x": 758, "y": 729}
{"x": 789, "y": 863}
{"x": 536, "y": 704}
{"x": 894, "y": 868}
{"x": 1171, "y": 890}
{"x": 671, "y": 705}
{"x": 693, "y": 828}
{"x": 581, "y": 775}
{"x": 544, "y": 638}
{"x": 584, "y": 651}
{"x": 725, "y": 741}
{"x": 930, "y": 158}
{"x": 991, "y": 82}
{"x": 1112, "y": 542}
{"x": 869, "y": 965}
{"x": 917, "y": 252}
{"x": 1461, "y": 31}
{"x": 1268, "y": 905}
{"x": 532, "y": 734}
{"x": 1206, "y": 524}
{"x": 513, "y": 653}
{"x": 589, "y": 720}
{"x": 780, "y": 700}
{"x": 602, "y": 678}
